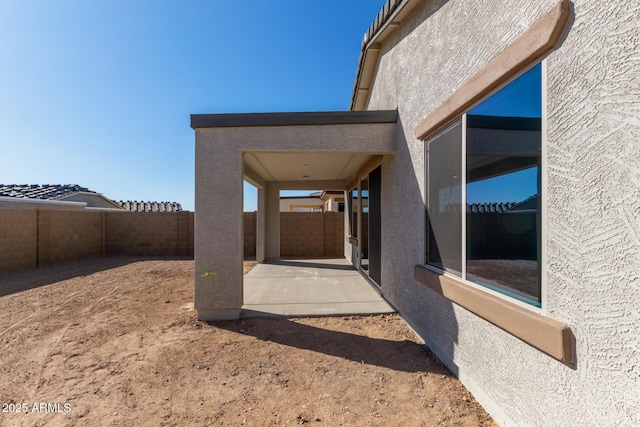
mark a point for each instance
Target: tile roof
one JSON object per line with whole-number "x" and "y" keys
{"x": 135, "y": 206}
{"x": 386, "y": 13}
{"x": 60, "y": 191}
{"x": 44, "y": 192}
{"x": 490, "y": 207}
{"x": 381, "y": 18}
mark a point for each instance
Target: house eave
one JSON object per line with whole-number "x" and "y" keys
{"x": 388, "y": 19}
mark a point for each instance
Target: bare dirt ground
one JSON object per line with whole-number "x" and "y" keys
{"x": 114, "y": 341}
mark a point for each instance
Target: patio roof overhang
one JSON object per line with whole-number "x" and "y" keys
{"x": 303, "y": 150}
{"x": 274, "y": 151}
{"x": 292, "y": 118}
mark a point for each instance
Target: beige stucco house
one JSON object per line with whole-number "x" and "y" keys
{"x": 497, "y": 146}
{"x": 319, "y": 201}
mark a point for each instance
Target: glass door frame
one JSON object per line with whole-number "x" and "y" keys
{"x": 372, "y": 272}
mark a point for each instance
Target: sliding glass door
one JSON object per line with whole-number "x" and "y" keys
{"x": 370, "y": 225}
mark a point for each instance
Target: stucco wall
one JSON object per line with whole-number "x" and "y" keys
{"x": 591, "y": 275}
{"x": 92, "y": 200}
{"x": 287, "y": 203}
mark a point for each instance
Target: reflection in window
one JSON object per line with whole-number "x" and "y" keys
{"x": 503, "y": 184}
{"x": 353, "y": 213}
{"x": 364, "y": 228}
{"x": 444, "y": 206}
{"x": 501, "y": 193}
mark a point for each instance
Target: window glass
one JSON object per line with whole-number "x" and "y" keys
{"x": 503, "y": 187}
{"x": 353, "y": 213}
{"x": 364, "y": 228}
{"x": 444, "y": 205}
{"x": 500, "y": 248}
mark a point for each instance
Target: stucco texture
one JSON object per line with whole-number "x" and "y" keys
{"x": 591, "y": 196}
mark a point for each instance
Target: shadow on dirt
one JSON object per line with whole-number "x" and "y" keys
{"x": 11, "y": 283}
{"x": 405, "y": 356}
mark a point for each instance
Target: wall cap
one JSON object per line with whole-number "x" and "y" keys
{"x": 544, "y": 333}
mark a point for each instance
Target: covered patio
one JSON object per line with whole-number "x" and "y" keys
{"x": 272, "y": 151}
{"x": 309, "y": 287}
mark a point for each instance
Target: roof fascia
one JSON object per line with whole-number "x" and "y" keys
{"x": 293, "y": 118}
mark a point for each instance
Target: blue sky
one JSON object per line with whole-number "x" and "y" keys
{"x": 99, "y": 93}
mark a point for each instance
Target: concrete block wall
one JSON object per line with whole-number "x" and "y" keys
{"x": 185, "y": 233}
{"x": 301, "y": 234}
{"x": 311, "y": 234}
{"x": 334, "y": 234}
{"x": 31, "y": 238}
{"x": 18, "y": 239}
{"x": 68, "y": 235}
{"x": 250, "y": 231}
{"x": 35, "y": 237}
{"x": 149, "y": 233}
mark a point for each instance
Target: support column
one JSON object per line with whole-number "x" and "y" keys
{"x": 218, "y": 230}
{"x": 261, "y": 225}
{"x": 272, "y": 222}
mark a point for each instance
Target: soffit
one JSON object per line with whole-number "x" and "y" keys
{"x": 301, "y": 166}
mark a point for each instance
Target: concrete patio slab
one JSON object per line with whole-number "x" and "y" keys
{"x": 317, "y": 287}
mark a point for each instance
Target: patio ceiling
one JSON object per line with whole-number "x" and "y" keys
{"x": 302, "y": 166}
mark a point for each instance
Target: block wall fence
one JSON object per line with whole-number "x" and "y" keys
{"x": 311, "y": 234}
{"x": 302, "y": 234}
{"x": 31, "y": 238}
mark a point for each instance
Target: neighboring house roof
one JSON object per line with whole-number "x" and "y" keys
{"x": 310, "y": 196}
{"x": 75, "y": 192}
{"x": 57, "y": 192}
{"x": 528, "y": 204}
{"x": 330, "y": 192}
{"x": 44, "y": 192}
{"x": 135, "y": 206}
{"x": 489, "y": 207}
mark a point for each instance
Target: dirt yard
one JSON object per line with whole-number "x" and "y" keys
{"x": 114, "y": 341}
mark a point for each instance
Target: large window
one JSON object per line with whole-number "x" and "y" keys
{"x": 483, "y": 202}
